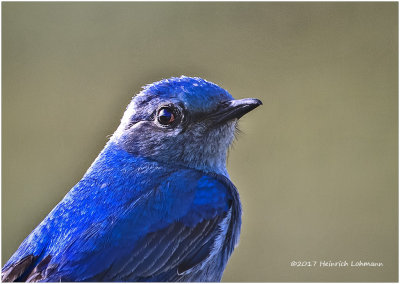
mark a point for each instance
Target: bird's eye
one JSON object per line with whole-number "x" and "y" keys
{"x": 165, "y": 116}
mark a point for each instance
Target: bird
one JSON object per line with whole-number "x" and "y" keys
{"x": 156, "y": 205}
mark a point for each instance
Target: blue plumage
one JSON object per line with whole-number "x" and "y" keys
{"x": 156, "y": 204}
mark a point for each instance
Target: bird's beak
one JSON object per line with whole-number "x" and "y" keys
{"x": 234, "y": 109}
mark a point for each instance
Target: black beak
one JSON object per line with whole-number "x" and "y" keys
{"x": 234, "y": 109}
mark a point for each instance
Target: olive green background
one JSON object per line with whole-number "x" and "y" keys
{"x": 316, "y": 165}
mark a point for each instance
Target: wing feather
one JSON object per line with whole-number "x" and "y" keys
{"x": 165, "y": 232}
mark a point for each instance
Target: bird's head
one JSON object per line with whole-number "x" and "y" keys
{"x": 184, "y": 121}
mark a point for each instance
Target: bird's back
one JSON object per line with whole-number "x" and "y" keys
{"x": 158, "y": 223}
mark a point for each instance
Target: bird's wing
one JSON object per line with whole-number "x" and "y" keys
{"x": 16, "y": 269}
{"x": 167, "y": 231}
{"x": 167, "y": 253}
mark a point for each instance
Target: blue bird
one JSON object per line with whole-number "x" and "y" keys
{"x": 156, "y": 204}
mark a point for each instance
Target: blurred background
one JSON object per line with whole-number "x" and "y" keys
{"x": 316, "y": 165}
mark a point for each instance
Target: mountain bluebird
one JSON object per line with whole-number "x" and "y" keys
{"x": 156, "y": 204}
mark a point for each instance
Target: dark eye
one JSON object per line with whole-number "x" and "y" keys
{"x": 165, "y": 116}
